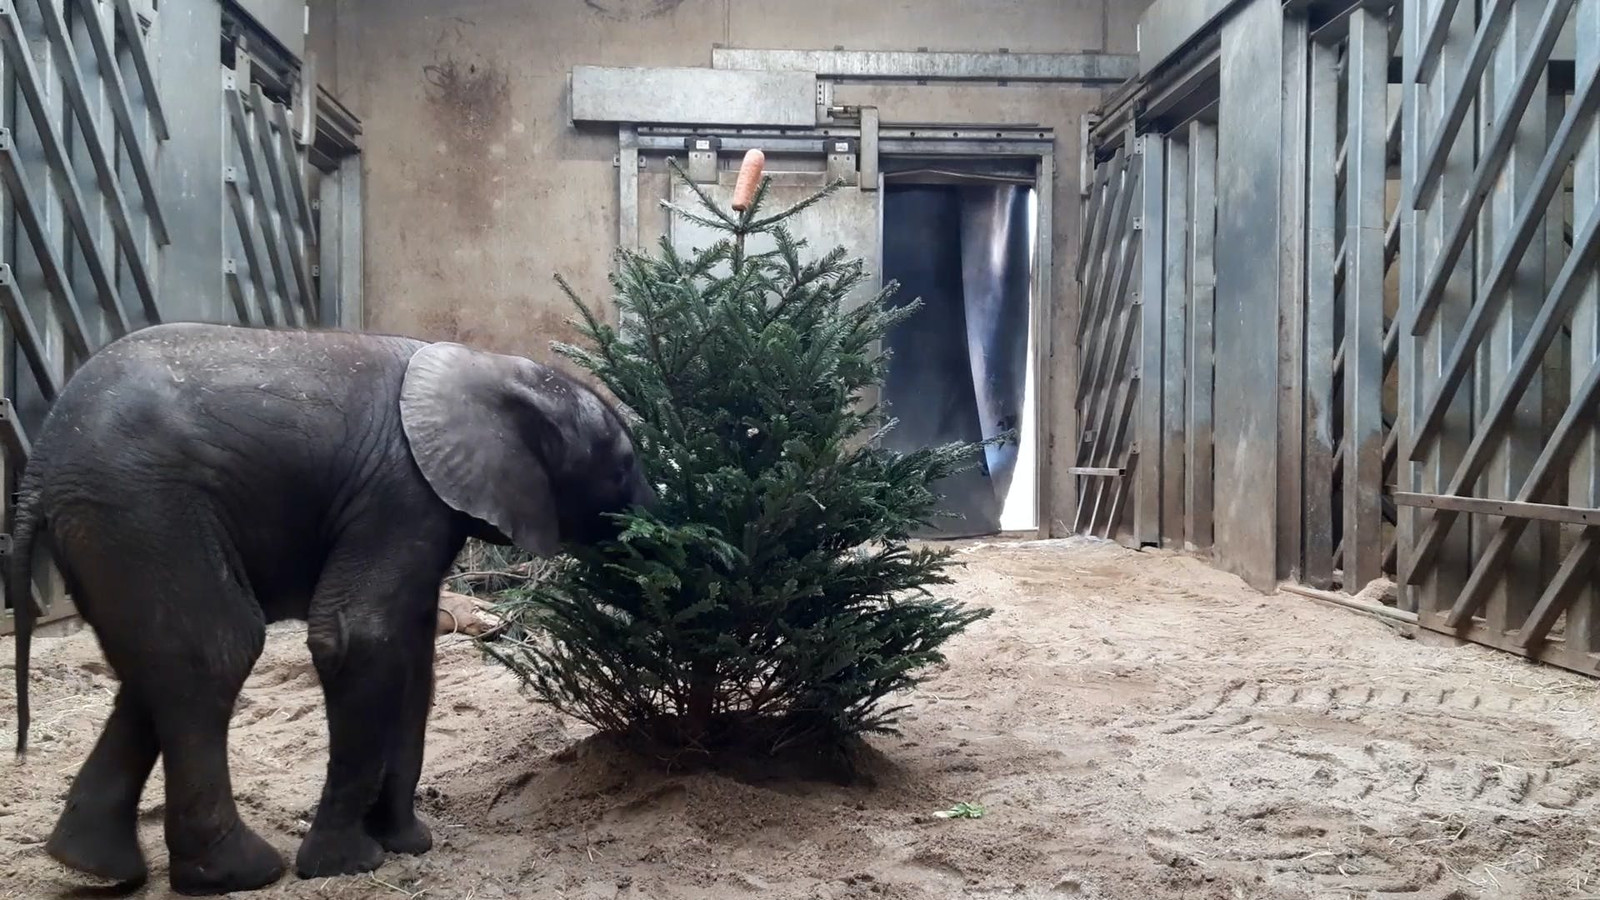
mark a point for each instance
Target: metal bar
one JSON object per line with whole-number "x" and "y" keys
{"x": 1321, "y": 308}
{"x": 1090, "y": 228}
{"x": 1294, "y": 92}
{"x": 280, "y": 192}
{"x": 1391, "y": 342}
{"x": 1125, "y": 181}
{"x": 628, "y": 187}
{"x": 898, "y": 65}
{"x": 1570, "y": 581}
{"x": 294, "y": 164}
{"x": 1175, "y": 316}
{"x": 1367, "y": 66}
{"x": 241, "y": 303}
{"x": 1097, "y": 471}
{"x": 1532, "y": 207}
{"x": 27, "y": 335}
{"x": 122, "y": 111}
{"x": 252, "y": 173}
{"x": 1484, "y": 44}
{"x": 1490, "y": 165}
{"x": 252, "y": 259}
{"x": 50, "y": 266}
{"x": 1507, "y": 509}
{"x": 1147, "y": 481}
{"x": 1564, "y": 294}
{"x": 55, "y": 28}
{"x": 28, "y": 84}
{"x": 1437, "y": 31}
{"x": 1197, "y": 480}
{"x": 141, "y": 64}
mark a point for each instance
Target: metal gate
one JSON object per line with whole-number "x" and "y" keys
{"x": 119, "y": 176}
{"x": 1143, "y": 461}
{"x": 1501, "y": 305}
{"x": 1406, "y": 328}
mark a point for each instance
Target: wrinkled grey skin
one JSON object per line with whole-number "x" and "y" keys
{"x": 197, "y": 482}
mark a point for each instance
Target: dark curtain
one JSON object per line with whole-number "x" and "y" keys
{"x": 959, "y": 363}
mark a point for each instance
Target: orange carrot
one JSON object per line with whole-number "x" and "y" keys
{"x": 744, "y": 190}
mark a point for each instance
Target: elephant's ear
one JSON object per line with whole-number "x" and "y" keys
{"x": 476, "y": 423}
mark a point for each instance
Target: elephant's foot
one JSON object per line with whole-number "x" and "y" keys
{"x": 327, "y": 852}
{"x": 98, "y": 844}
{"x": 241, "y": 861}
{"x": 410, "y": 837}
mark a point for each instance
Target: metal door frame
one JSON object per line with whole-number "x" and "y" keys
{"x": 869, "y": 143}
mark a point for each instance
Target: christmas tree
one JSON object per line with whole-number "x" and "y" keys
{"x": 771, "y": 599}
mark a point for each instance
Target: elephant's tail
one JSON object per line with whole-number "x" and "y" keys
{"x": 19, "y": 588}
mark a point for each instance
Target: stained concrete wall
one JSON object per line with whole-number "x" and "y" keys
{"x": 478, "y": 190}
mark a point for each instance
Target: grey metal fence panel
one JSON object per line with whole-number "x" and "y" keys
{"x": 122, "y": 157}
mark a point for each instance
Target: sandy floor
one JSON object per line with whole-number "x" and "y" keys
{"x": 1137, "y": 726}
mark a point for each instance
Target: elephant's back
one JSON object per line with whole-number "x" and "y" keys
{"x": 191, "y": 393}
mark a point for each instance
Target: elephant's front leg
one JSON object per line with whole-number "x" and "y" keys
{"x": 362, "y": 684}
{"x": 371, "y": 636}
{"x": 393, "y": 818}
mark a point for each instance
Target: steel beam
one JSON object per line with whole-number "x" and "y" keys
{"x": 1175, "y": 318}
{"x": 1148, "y": 433}
{"x": 923, "y": 65}
{"x": 1168, "y": 25}
{"x": 1249, "y": 211}
{"x": 692, "y": 96}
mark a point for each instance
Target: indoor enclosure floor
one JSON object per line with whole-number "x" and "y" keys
{"x": 1134, "y": 725}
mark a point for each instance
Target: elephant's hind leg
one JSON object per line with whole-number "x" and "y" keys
{"x": 183, "y": 631}
{"x": 97, "y": 833}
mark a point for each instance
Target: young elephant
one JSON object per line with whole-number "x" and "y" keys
{"x": 197, "y": 482}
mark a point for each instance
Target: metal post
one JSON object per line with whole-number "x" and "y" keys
{"x": 1366, "y": 140}
{"x": 1321, "y": 246}
{"x": 627, "y": 187}
{"x": 1046, "y": 420}
{"x": 1147, "y": 434}
{"x": 1197, "y": 479}
{"x": 1173, "y": 350}
{"x": 1249, "y": 210}
{"x": 1291, "y": 243}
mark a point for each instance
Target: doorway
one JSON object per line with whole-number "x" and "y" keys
{"x": 963, "y": 240}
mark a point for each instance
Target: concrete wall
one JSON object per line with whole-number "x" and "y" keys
{"x": 478, "y": 190}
